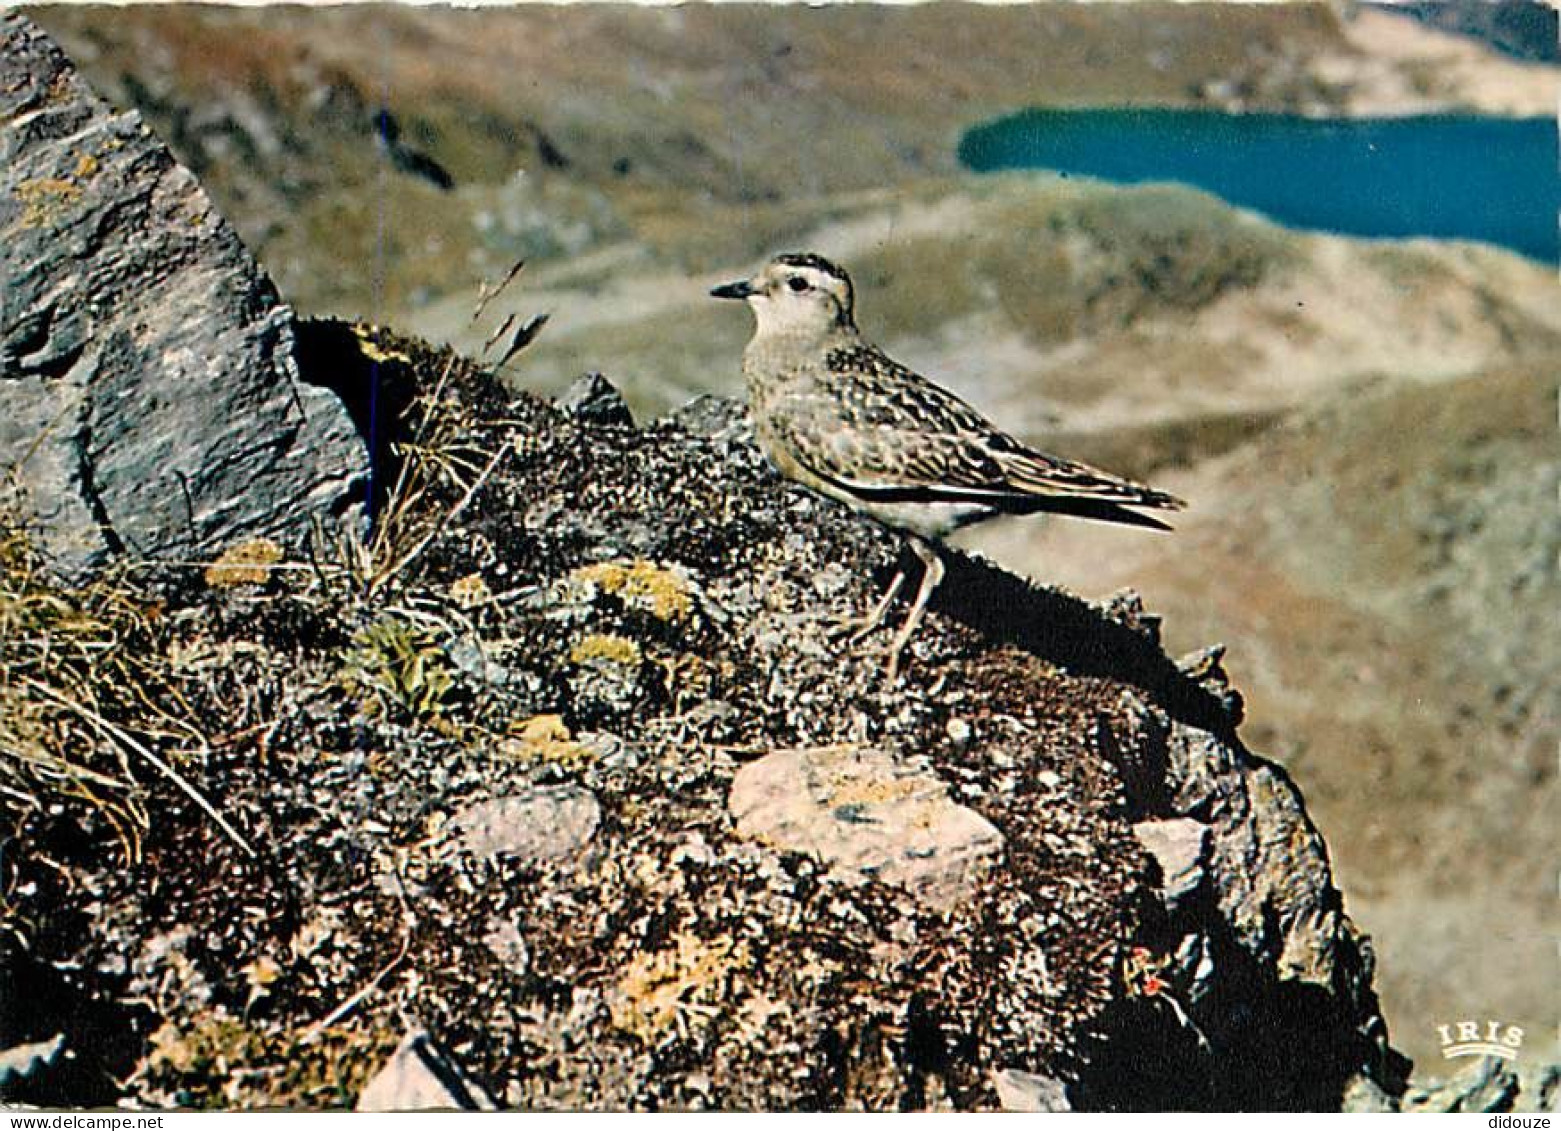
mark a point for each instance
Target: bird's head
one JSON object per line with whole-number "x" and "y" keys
{"x": 797, "y": 294}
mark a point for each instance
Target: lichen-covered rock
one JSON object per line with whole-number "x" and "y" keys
{"x": 801, "y": 886}
{"x": 149, "y": 400}
{"x": 868, "y": 816}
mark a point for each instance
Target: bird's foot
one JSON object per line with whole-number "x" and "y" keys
{"x": 891, "y": 668}
{"x": 856, "y": 629}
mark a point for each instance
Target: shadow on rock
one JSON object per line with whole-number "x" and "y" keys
{"x": 1118, "y": 642}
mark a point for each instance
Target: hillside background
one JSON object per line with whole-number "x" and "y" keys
{"x": 1366, "y": 430}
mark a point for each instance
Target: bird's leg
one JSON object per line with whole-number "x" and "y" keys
{"x": 859, "y": 627}
{"x": 930, "y": 578}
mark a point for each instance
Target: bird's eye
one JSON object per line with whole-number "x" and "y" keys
{"x": 797, "y": 283}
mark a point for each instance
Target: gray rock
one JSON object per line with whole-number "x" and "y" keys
{"x": 1277, "y": 916}
{"x": 1488, "y": 1084}
{"x": 1362, "y": 1095}
{"x": 1269, "y": 862}
{"x": 867, "y": 815}
{"x": 1540, "y": 1086}
{"x": 149, "y": 400}
{"x": 1027, "y": 1092}
{"x": 718, "y": 418}
{"x": 1180, "y": 847}
{"x": 595, "y": 400}
{"x": 420, "y": 1076}
{"x": 542, "y": 823}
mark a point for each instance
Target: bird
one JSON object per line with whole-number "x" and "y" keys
{"x": 835, "y": 413}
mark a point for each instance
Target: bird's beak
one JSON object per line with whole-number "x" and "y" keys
{"x": 740, "y": 289}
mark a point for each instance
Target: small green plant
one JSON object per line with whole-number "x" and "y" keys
{"x": 397, "y": 669}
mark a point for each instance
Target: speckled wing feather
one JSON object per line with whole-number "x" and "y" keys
{"x": 885, "y": 434}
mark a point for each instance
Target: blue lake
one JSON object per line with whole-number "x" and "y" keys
{"x": 1457, "y": 176}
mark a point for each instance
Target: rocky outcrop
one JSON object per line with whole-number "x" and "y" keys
{"x": 564, "y": 794}
{"x": 1489, "y": 1084}
{"x": 149, "y": 401}
{"x": 590, "y": 790}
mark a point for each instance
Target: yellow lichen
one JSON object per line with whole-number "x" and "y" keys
{"x": 244, "y": 563}
{"x": 470, "y": 591}
{"x": 372, "y": 350}
{"x": 870, "y": 791}
{"x": 642, "y": 584}
{"x": 545, "y": 738}
{"x": 606, "y": 647}
{"x": 44, "y": 200}
{"x": 678, "y": 988}
{"x": 260, "y": 975}
{"x": 86, "y": 165}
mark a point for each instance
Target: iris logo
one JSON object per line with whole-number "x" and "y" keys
{"x": 1471, "y": 1038}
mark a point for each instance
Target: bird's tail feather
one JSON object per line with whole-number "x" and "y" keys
{"x": 1102, "y": 510}
{"x": 1056, "y": 483}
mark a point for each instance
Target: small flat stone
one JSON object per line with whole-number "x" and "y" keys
{"x": 1025, "y": 1091}
{"x": 508, "y": 945}
{"x": 542, "y": 823}
{"x": 869, "y": 816}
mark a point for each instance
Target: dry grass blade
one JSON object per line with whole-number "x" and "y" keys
{"x": 86, "y": 690}
{"x": 125, "y": 738}
{"x": 509, "y": 320}
{"x": 450, "y": 455}
{"x": 523, "y": 338}
{"x": 461, "y": 504}
{"x": 411, "y": 478}
{"x": 486, "y": 296}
